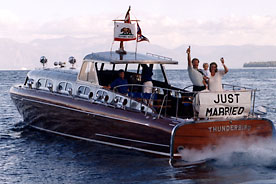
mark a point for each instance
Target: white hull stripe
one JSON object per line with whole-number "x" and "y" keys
{"x": 132, "y": 140}
{"x": 103, "y": 142}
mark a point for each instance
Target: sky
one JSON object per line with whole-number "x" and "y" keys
{"x": 168, "y": 23}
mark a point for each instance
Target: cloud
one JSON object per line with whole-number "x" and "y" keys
{"x": 225, "y": 31}
{"x": 7, "y": 17}
{"x": 161, "y": 30}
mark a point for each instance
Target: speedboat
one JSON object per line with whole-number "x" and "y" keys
{"x": 78, "y": 104}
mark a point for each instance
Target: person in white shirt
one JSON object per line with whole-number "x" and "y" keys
{"x": 215, "y": 77}
{"x": 195, "y": 74}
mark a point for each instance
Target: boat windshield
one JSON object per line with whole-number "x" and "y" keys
{"x": 108, "y": 72}
{"x": 88, "y": 72}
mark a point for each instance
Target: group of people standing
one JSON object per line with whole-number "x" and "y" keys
{"x": 203, "y": 79}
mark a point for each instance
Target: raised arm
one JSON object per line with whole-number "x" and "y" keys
{"x": 188, "y": 51}
{"x": 224, "y": 66}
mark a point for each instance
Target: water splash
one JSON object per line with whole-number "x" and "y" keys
{"x": 235, "y": 152}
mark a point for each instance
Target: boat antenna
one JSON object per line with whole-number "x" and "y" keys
{"x": 136, "y": 44}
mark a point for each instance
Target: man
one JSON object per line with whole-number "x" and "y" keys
{"x": 120, "y": 81}
{"x": 195, "y": 74}
{"x": 146, "y": 78}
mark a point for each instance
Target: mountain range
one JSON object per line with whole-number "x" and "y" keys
{"x": 15, "y": 55}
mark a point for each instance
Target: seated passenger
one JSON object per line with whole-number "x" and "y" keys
{"x": 120, "y": 81}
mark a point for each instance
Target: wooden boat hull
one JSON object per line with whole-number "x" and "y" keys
{"x": 218, "y": 133}
{"x": 82, "y": 119}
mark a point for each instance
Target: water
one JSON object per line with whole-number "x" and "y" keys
{"x": 28, "y": 156}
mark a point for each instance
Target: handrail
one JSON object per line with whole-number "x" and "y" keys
{"x": 159, "y": 56}
{"x": 171, "y": 97}
{"x": 162, "y": 105}
{"x": 154, "y": 87}
{"x": 236, "y": 86}
{"x": 230, "y": 85}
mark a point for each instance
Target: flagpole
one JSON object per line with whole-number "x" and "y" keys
{"x": 136, "y": 47}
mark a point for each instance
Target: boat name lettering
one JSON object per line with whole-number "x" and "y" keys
{"x": 224, "y": 111}
{"x": 228, "y": 128}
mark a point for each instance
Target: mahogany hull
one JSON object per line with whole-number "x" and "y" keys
{"x": 218, "y": 133}
{"x": 101, "y": 123}
{"x": 95, "y": 122}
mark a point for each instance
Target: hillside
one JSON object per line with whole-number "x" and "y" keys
{"x": 260, "y": 64}
{"x": 15, "y": 55}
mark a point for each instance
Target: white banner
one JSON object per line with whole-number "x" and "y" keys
{"x": 124, "y": 32}
{"x": 223, "y": 104}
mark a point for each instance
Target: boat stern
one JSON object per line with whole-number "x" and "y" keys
{"x": 198, "y": 135}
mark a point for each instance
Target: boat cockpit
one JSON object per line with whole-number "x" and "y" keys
{"x": 164, "y": 99}
{"x": 101, "y": 69}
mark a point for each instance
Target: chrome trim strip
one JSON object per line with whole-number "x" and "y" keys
{"x": 132, "y": 140}
{"x": 69, "y": 108}
{"x": 101, "y": 142}
{"x": 172, "y": 154}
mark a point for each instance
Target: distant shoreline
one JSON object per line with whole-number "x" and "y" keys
{"x": 260, "y": 64}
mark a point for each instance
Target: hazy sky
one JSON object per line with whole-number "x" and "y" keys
{"x": 168, "y": 23}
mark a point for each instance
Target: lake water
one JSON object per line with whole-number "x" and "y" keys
{"x": 32, "y": 157}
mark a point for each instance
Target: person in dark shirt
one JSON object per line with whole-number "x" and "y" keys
{"x": 146, "y": 78}
{"x": 120, "y": 81}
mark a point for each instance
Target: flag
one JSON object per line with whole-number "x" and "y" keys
{"x": 124, "y": 32}
{"x": 140, "y": 37}
{"x": 127, "y": 17}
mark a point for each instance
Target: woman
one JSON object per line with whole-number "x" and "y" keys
{"x": 215, "y": 83}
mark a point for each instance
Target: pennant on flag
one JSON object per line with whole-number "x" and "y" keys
{"x": 127, "y": 17}
{"x": 140, "y": 37}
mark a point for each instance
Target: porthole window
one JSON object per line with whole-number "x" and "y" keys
{"x": 87, "y": 91}
{"x": 125, "y": 102}
{"x": 81, "y": 90}
{"x": 106, "y": 98}
{"x": 41, "y": 83}
{"x": 90, "y": 95}
{"x": 30, "y": 83}
{"x": 61, "y": 86}
{"x": 99, "y": 94}
{"x": 49, "y": 84}
{"x": 68, "y": 87}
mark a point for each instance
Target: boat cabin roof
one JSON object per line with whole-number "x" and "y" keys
{"x": 53, "y": 74}
{"x": 129, "y": 58}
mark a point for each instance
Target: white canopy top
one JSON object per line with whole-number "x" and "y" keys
{"x": 129, "y": 58}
